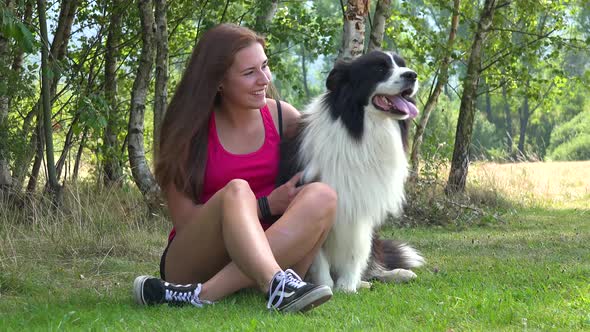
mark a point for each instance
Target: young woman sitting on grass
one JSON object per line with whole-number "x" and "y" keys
{"x": 217, "y": 165}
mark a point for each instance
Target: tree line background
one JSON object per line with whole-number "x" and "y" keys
{"x": 84, "y": 84}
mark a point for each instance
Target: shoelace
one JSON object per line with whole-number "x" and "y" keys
{"x": 287, "y": 277}
{"x": 191, "y": 297}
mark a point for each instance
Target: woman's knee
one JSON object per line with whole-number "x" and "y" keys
{"x": 237, "y": 189}
{"x": 321, "y": 198}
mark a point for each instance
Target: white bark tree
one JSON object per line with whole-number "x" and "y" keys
{"x": 161, "y": 91}
{"x": 112, "y": 170}
{"x": 353, "y": 37}
{"x": 382, "y": 11}
{"x": 142, "y": 175}
{"x": 5, "y": 176}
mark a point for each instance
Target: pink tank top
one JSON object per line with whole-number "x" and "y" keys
{"x": 259, "y": 168}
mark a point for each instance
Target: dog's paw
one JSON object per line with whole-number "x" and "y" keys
{"x": 365, "y": 284}
{"x": 347, "y": 285}
{"x": 397, "y": 275}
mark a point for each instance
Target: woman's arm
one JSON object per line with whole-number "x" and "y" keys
{"x": 290, "y": 119}
{"x": 282, "y": 196}
{"x": 181, "y": 208}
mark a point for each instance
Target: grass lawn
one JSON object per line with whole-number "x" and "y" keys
{"x": 531, "y": 272}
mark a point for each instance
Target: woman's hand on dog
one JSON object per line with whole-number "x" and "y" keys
{"x": 280, "y": 198}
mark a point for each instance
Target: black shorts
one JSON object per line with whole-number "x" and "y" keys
{"x": 163, "y": 261}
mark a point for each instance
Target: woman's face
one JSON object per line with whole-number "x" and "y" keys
{"x": 245, "y": 82}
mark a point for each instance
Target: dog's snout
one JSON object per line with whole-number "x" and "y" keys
{"x": 410, "y": 75}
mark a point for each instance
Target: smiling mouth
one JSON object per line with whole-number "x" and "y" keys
{"x": 396, "y": 104}
{"x": 259, "y": 92}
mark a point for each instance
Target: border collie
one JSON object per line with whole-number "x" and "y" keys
{"x": 353, "y": 137}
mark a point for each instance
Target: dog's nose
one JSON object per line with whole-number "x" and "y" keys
{"x": 410, "y": 75}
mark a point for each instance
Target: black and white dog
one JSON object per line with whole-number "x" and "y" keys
{"x": 353, "y": 138}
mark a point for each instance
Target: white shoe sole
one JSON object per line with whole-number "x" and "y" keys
{"x": 310, "y": 300}
{"x": 138, "y": 289}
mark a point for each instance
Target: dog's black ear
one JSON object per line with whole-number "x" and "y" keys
{"x": 337, "y": 76}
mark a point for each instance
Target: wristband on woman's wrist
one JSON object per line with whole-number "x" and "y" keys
{"x": 264, "y": 207}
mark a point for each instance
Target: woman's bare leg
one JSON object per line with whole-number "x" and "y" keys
{"x": 227, "y": 226}
{"x": 294, "y": 239}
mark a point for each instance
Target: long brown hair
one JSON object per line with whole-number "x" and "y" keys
{"x": 183, "y": 144}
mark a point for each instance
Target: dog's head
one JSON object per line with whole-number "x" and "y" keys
{"x": 376, "y": 82}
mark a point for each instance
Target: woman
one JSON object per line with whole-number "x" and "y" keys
{"x": 217, "y": 165}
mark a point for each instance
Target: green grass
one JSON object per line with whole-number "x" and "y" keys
{"x": 74, "y": 271}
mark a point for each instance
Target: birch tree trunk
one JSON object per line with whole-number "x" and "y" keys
{"x": 112, "y": 168}
{"x": 5, "y": 176}
{"x": 382, "y": 11}
{"x": 353, "y": 37}
{"x": 57, "y": 52}
{"x": 460, "y": 161}
{"x": 140, "y": 170}
{"x": 161, "y": 91}
{"x": 52, "y": 184}
{"x": 523, "y": 115}
{"x": 507, "y": 119}
{"x": 24, "y": 159}
{"x": 264, "y": 18}
{"x": 39, "y": 142}
{"x": 432, "y": 101}
{"x": 60, "y": 42}
{"x": 488, "y": 103}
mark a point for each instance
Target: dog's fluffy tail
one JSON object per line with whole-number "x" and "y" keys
{"x": 392, "y": 260}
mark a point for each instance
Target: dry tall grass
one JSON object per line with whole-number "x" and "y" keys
{"x": 558, "y": 185}
{"x": 91, "y": 228}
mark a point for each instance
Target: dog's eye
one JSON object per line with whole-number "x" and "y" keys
{"x": 380, "y": 69}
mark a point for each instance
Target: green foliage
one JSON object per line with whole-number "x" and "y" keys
{"x": 487, "y": 139}
{"x": 296, "y": 28}
{"x": 16, "y": 30}
{"x": 535, "y": 48}
{"x": 438, "y": 140}
{"x": 576, "y": 149}
{"x": 571, "y": 140}
{"x": 528, "y": 56}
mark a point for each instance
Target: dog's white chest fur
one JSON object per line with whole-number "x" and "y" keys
{"x": 368, "y": 175}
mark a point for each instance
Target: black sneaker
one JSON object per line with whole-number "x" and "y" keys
{"x": 149, "y": 290}
{"x": 288, "y": 293}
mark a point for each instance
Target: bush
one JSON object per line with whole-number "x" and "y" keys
{"x": 439, "y": 136}
{"x": 487, "y": 140}
{"x": 571, "y": 140}
{"x": 576, "y": 149}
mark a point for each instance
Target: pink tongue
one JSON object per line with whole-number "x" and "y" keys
{"x": 404, "y": 106}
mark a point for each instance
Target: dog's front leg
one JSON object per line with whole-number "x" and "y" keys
{"x": 319, "y": 271}
{"x": 353, "y": 257}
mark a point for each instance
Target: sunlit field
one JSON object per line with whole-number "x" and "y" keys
{"x": 559, "y": 185}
